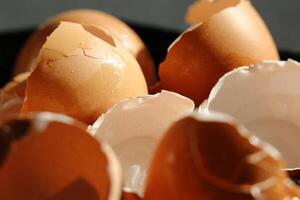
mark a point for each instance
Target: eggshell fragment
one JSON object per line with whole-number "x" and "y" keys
{"x": 202, "y": 10}
{"x": 133, "y": 128}
{"x": 128, "y": 38}
{"x": 210, "y": 156}
{"x": 10, "y": 104}
{"x": 265, "y": 98}
{"x": 18, "y": 85}
{"x": 82, "y": 71}
{"x": 12, "y": 96}
{"x": 47, "y": 155}
{"x": 77, "y": 190}
{"x": 235, "y": 37}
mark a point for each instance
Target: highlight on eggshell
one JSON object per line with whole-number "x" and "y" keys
{"x": 234, "y": 37}
{"x": 133, "y": 128}
{"x": 211, "y": 156}
{"x": 265, "y": 98}
{"x": 82, "y": 71}
{"x": 47, "y": 156}
{"x": 129, "y": 39}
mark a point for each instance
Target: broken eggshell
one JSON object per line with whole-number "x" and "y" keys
{"x": 128, "y": 38}
{"x": 133, "y": 128}
{"x": 202, "y": 10}
{"x": 265, "y": 98}
{"x": 17, "y": 86}
{"x": 46, "y": 155}
{"x": 12, "y": 96}
{"x": 82, "y": 71}
{"x": 9, "y": 105}
{"x": 210, "y": 156}
{"x": 234, "y": 37}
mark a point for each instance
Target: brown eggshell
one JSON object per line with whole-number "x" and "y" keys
{"x": 47, "y": 155}
{"x": 77, "y": 190}
{"x": 211, "y": 157}
{"x": 130, "y": 196}
{"x": 85, "y": 76}
{"x": 235, "y": 37}
{"x": 202, "y": 10}
{"x": 18, "y": 85}
{"x": 12, "y": 96}
{"x": 10, "y": 105}
{"x": 129, "y": 39}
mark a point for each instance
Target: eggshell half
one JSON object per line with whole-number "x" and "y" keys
{"x": 82, "y": 71}
{"x": 235, "y": 37}
{"x": 210, "y": 156}
{"x": 265, "y": 98}
{"x": 128, "y": 38}
{"x": 134, "y": 127}
{"x": 46, "y": 156}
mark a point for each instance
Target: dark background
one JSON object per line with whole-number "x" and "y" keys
{"x": 282, "y": 16}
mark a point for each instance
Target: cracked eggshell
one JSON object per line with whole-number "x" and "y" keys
{"x": 234, "y": 37}
{"x": 133, "y": 128}
{"x": 210, "y": 156}
{"x": 46, "y": 155}
{"x": 128, "y": 38}
{"x": 265, "y": 98}
{"x": 82, "y": 71}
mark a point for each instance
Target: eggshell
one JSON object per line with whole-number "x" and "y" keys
{"x": 235, "y": 37}
{"x": 77, "y": 190}
{"x": 12, "y": 96}
{"x": 210, "y": 156}
{"x": 10, "y": 105}
{"x": 130, "y": 196}
{"x": 82, "y": 71}
{"x": 128, "y": 38}
{"x": 18, "y": 85}
{"x": 202, "y": 10}
{"x": 265, "y": 98}
{"x": 47, "y": 156}
{"x": 133, "y": 128}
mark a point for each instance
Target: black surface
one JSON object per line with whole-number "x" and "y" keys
{"x": 156, "y": 40}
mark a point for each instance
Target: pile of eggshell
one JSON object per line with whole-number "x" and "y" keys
{"x": 77, "y": 121}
